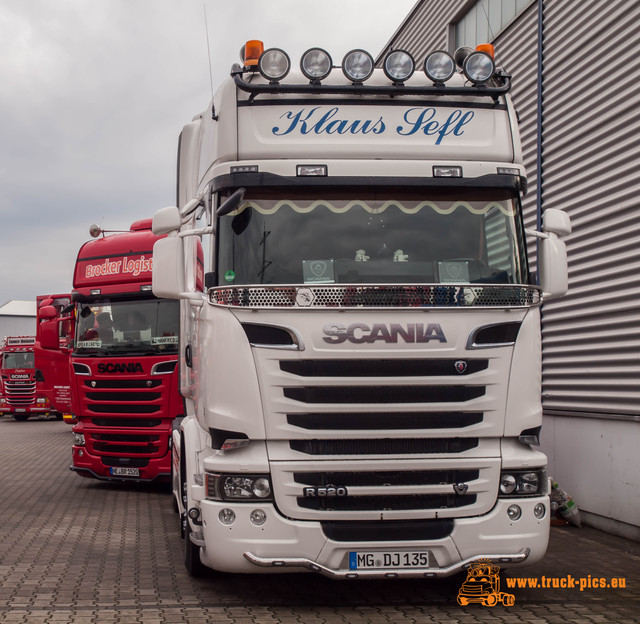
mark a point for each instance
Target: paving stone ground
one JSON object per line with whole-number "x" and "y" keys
{"x": 79, "y": 551}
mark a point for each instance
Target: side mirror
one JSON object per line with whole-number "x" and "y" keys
{"x": 49, "y": 336}
{"x": 231, "y": 203}
{"x": 46, "y": 313}
{"x": 168, "y": 266}
{"x": 556, "y": 221}
{"x": 166, "y": 220}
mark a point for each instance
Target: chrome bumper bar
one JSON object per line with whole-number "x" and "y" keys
{"x": 294, "y": 562}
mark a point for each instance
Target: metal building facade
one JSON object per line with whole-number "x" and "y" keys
{"x": 588, "y": 102}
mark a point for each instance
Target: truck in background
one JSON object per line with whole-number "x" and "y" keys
{"x": 21, "y": 392}
{"x": 52, "y": 366}
{"x": 124, "y": 384}
{"x": 362, "y": 372}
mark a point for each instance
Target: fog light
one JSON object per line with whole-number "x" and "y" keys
{"x": 539, "y": 511}
{"x": 316, "y": 64}
{"x": 357, "y": 66}
{"x": 439, "y": 66}
{"x": 479, "y": 67}
{"x": 274, "y": 64}
{"x": 194, "y": 513}
{"x": 399, "y": 66}
{"x": 514, "y": 512}
{"x": 227, "y": 516}
{"x": 258, "y": 517}
{"x": 78, "y": 439}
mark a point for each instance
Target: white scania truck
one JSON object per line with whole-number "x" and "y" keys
{"x": 361, "y": 371}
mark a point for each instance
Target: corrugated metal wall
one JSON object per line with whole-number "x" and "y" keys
{"x": 591, "y": 160}
{"x": 591, "y": 337}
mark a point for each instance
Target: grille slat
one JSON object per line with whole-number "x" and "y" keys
{"x": 387, "y": 421}
{"x": 123, "y": 396}
{"x": 386, "y": 478}
{"x": 387, "y": 503}
{"x": 380, "y": 368}
{"x": 383, "y": 447}
{"x": 383, "y": 394}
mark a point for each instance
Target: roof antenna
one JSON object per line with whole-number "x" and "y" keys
{"x": 206, "y": 29}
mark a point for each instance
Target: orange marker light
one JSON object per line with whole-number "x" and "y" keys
{"x": 252, "y": 51}
{"x": 485, "y": 47}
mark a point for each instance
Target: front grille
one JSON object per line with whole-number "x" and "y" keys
{"x": 383, "y": 394}
{"x": 131, "y": 462}
{"x": 386, "y": 478}
{"x": 123, "y": 409}
{"x": 388, "y": 530}
{"x": 384, "y": 447}
{"x": 382, "y": 296}
{"x": 141, "y": 396}
{"x": 387, "y": 503}
{"x": 123, "y": 396}
{"x": 20, "y": 393}
{"x": 381, "y": 368}
{"x": 385, "y": 421}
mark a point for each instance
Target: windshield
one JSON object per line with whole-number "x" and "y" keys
{"x": 18, "y": 359}
{"x": 373, "y": 237}
{"x": 128, "y": 327}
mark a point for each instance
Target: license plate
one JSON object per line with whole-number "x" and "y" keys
{"x": 388, "y": 560}
{"x": 20, "y": 410}
{"x": 125, "y": 472}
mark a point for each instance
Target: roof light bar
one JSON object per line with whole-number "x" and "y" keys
{"x": 274, "y": 64}
{"x": 399, "y": 66}
{"x": 357, "y": 66}
{"x": 316, "y": 64}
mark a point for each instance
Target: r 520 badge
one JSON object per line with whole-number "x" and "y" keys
{"x": 327, "y": 491}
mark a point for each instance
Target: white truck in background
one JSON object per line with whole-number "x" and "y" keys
{"x": 362, "y": 369}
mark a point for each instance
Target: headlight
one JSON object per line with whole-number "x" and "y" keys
{"x": 399, "y": 66}
{"x": 274, "y": 64}
{"x": 78, "y": 439}
{"x": 439, "y": 66}
{"x": 479, "y": 67}
{"x": 222, "y": 487}
{"x": 357, "y": 65}
{"x": 523, "y": 483}
{"x": 316, "y": 64}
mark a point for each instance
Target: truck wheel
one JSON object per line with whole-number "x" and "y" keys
{"x": 491, "y": 600}
{"x": 462, "y": 600}
{"x": 21, "y": 417}
{"x": 192, "y": 562}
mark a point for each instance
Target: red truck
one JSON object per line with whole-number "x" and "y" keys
{"x": 124, "y": 373}
{"x": 21, "y": 392}
{"x": 52, "y": 366}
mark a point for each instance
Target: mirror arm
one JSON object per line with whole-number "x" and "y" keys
{"x": 536, "y": 234}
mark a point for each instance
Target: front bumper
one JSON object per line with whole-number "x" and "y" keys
{"x": 92, "y": 466}
{"x": 286, "y": 545}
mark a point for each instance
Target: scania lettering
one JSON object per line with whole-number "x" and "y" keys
{"x": 361, "y": 368}
{"x": 123, "y": 360}
{"x": 21, "y": 389}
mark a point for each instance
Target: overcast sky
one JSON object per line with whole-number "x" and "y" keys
{"x": 93, "y": 95}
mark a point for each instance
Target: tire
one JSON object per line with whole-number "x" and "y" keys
{"x": 192, "y": 562}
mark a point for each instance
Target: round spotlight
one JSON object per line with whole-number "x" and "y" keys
{"x": 227, "y": 516}
{"x": 316, "y": 64}
{"x": 258, "y": 517}
{"x": 439, "y": 66}
{"x": 514, "y": 512}
{"x": 274, "y": 64}
{"x": 507, "y": 483}
{"x": 357, "y": 66}
{"x": 539, "y": 511}
{"x": 479, "y": 67}
{"x": 399, "y": 66}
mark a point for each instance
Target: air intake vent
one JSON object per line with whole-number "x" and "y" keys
{"x": 384, "y": 394}
{"x": 386, "y": 421}
{"x": 387, "y": 478}
{"x": 267, "y": 335}
{"x": 387, "y": 503}
{"x": 388, "y": 531}
{"x": 380, "y": 368}
{"x": 384, "y": 447}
